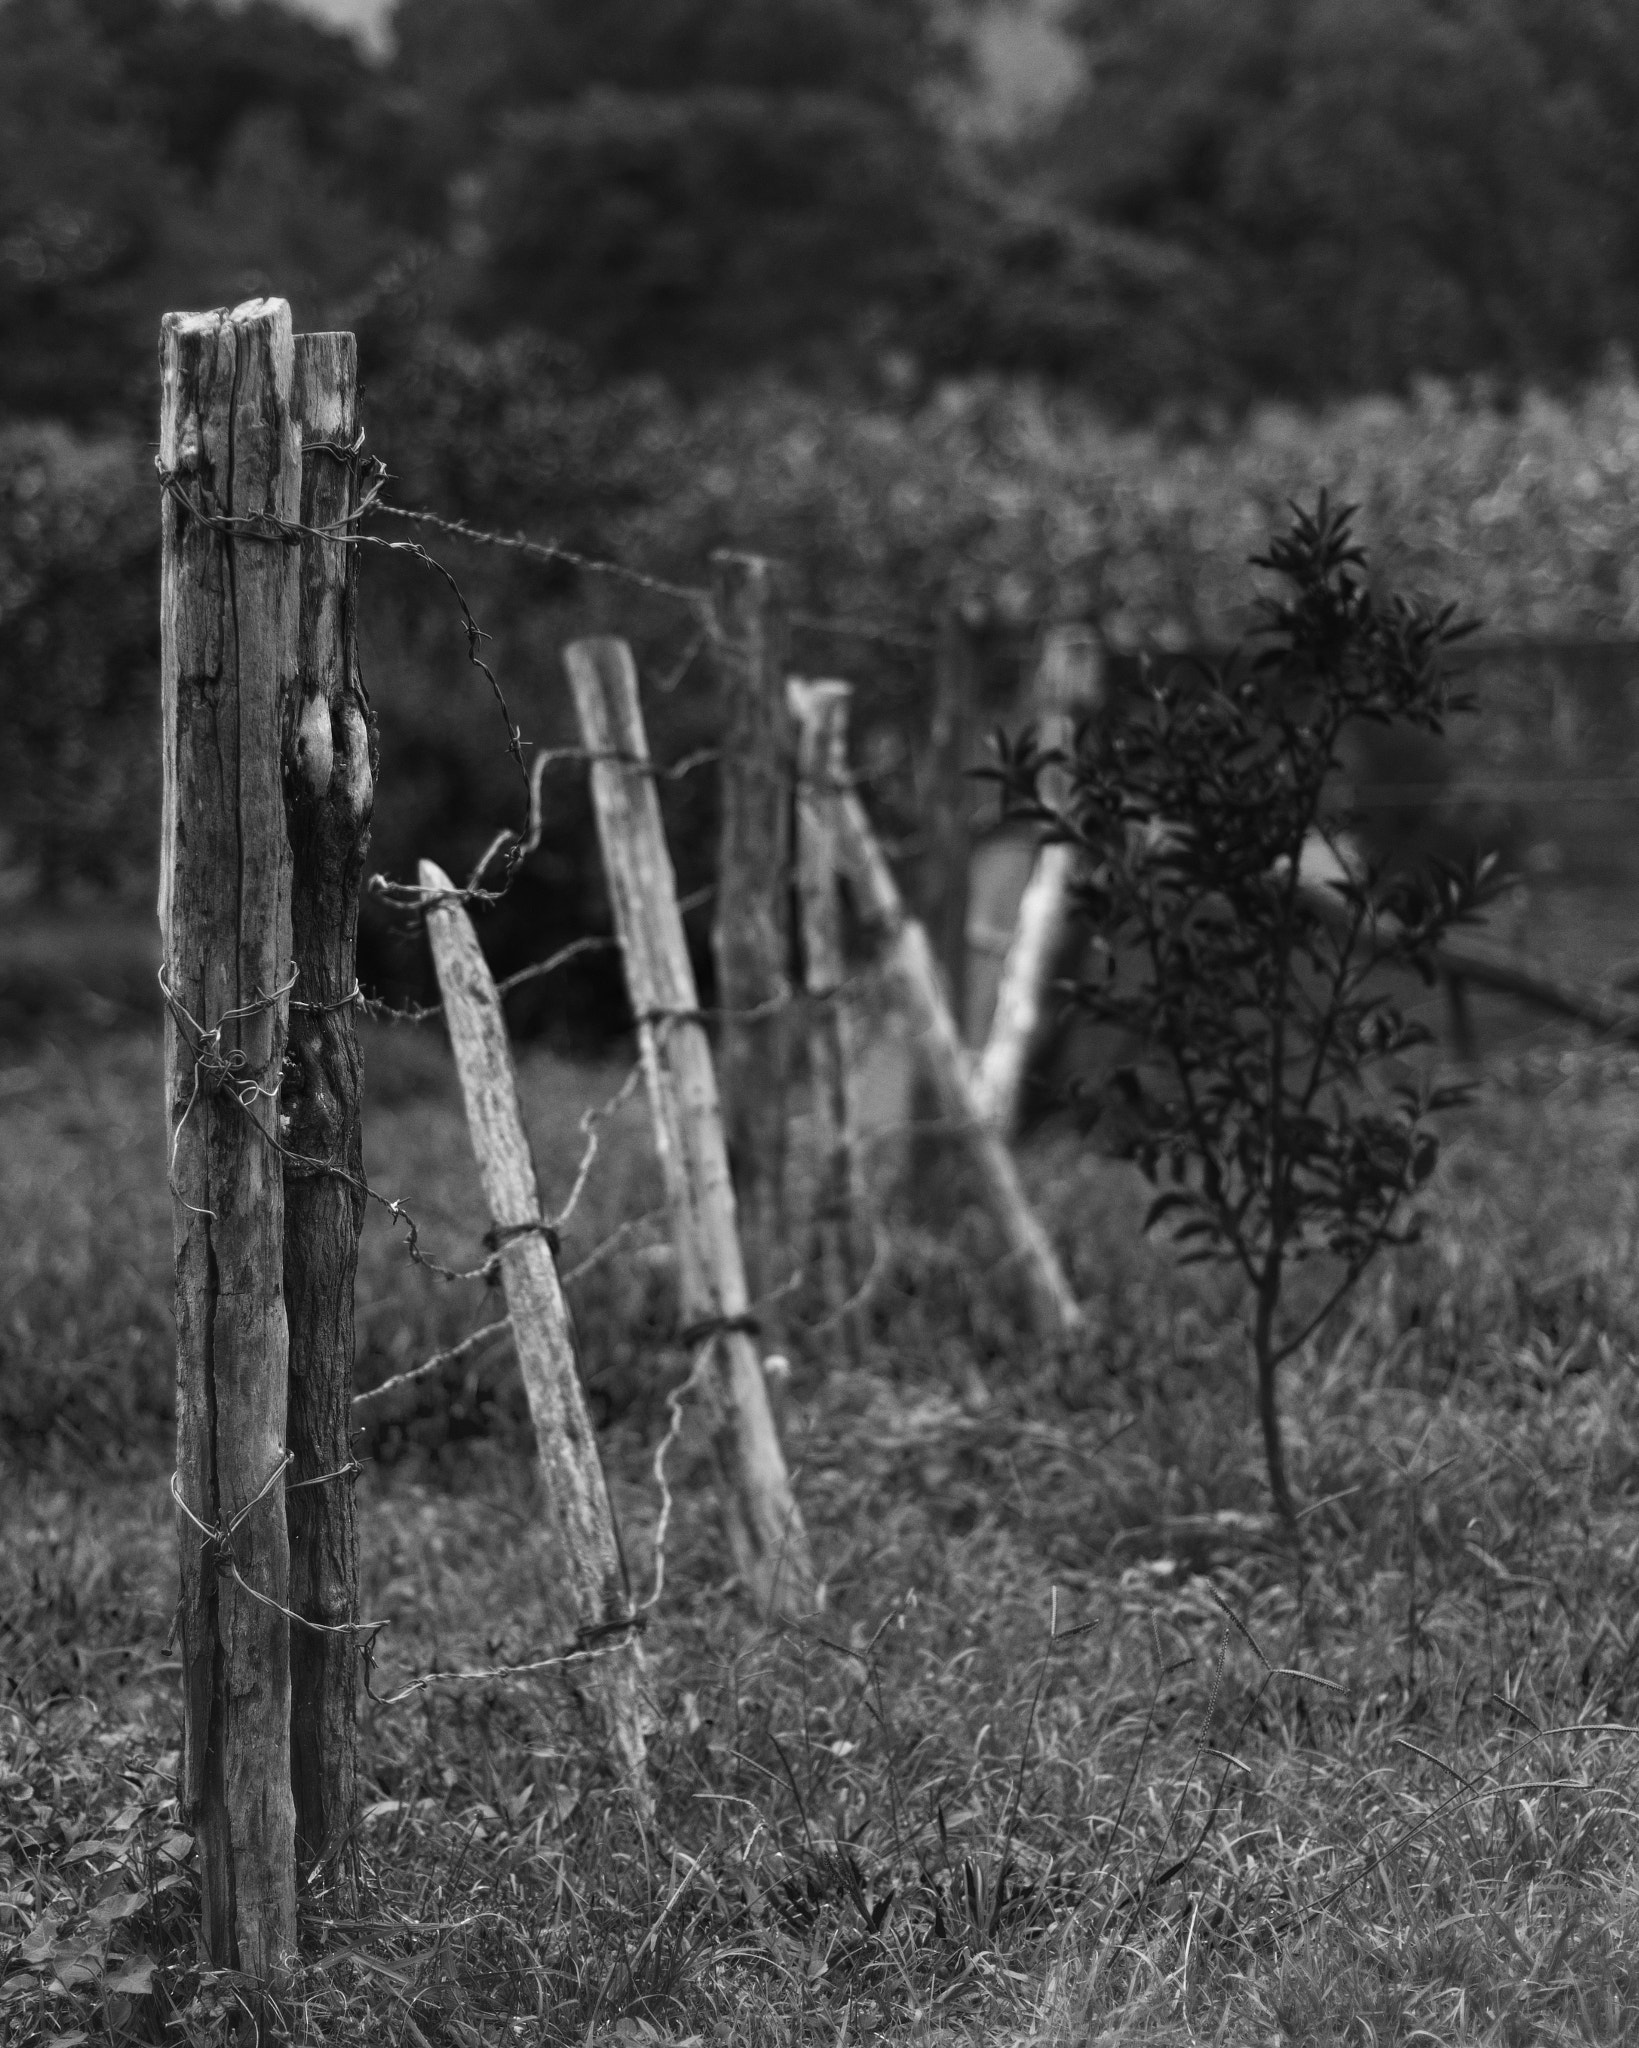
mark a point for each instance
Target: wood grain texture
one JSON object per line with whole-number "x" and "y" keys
{"x": 228, "y": 615}
{"x": 765, "y": 1530}
{"x": 911, "y": 963}
{"x": 820, "y": 711}
{"x": 329, "y": 796}
{"x": 591, "y": 1595}
{"x": 751, "y": 927}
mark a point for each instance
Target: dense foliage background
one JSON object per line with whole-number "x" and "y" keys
{"x": 673, "y": 273}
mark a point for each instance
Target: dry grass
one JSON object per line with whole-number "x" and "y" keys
{"x": 1391, "y": 1800}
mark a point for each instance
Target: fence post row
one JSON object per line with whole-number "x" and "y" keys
{"x": 765, "y": 1530}
{"x": 751, "y": 929}
{"x": 329, "y": 792}
{"x": 595, "y": 1604}
{"x": 230, "y": 443}
{"x": 821, "y": 714}
{"x": 910, "y": 960}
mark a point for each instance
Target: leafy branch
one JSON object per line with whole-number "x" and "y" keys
{"x": 1241, "y": 935}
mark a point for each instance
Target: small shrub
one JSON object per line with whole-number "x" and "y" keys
{"x": 1241, "y": 938}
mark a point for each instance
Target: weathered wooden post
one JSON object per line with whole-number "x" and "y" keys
{"x": 1000, "y": 1072}
{"x": 765, "y": 1531}
{"x": 1069, "y": 682}
{"x": 947, "y": 804}
{"x": 751, "y": 930}
{"x": 230, "y": 450}
{"x": 821, "y": 714}
{"x": 329, "y": 793}
{"x": 593, "y": 1600}
{"x": 910, "y": 961}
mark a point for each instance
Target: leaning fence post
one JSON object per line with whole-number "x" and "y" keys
{"x": 765, "y": 1531}
{"x": 751, "y": 929}
{"x": 821, "y": 714}
{"x": 230, "y": 449}
{"x": 1069, "y": 683}
{"x": 910, "y": 961}
{"x": 595, "y": 1602}
{"x": 1002, "y": 1067}
{"x": 329, "y": 794}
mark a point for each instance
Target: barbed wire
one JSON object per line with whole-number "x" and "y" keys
{"x": 904, "y": 639}
{"x": 518, "y": 542}
{"x": 862, "y": 1296}
{"x": 599, "y": 1252}
{"x": 699, "y": 599}
{"x": 215, "y": 1074}
{"x": 475, "y": 1341}
{"x": 518, "y": 846}
{"x": 422, "y": 1013}
{"x": 344, "y": 532}
{"x": 228, "y": 1075}
{"x": 589, "y": 1121}
{"x": 591, "y": 1640}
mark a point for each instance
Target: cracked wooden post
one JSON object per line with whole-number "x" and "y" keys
{"x": 764, "y": 1526}
{"x": 1068, "y": 683}
{"x": 751, "y": 928}
{"x": 910, "y": 961}
{"x": 229, "y": 440}
{"x": 329, "y": 794}
{"x": 821, "y": 714}
{"x": 592, "y": 1600}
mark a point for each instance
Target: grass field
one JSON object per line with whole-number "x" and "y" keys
{"x": 1075, "y": 1753}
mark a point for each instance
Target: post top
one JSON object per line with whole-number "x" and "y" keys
{"x": 248, "y": 311}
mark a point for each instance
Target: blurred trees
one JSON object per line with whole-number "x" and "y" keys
{"x": 1377, "y": 188}
{"x": 659, "y": 275}
{"x": 154, "y": 155}
{"x": 1293, "y": 197}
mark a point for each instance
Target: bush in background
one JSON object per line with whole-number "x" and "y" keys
{"x": 1528, "y": 516}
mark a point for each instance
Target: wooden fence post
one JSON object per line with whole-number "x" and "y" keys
{"x": 329, "y": 794}
{"x": 910, "y": 960}
{"x": 1000, "y": 1072}
{"x": 230, "y": 449}
{"x": 821, "y": 714}
{"x": 1068, "y": 683}
{"x": 595, "y": 1601}
{"x": 765, "y": 1531}
{"x": 751, "y": 929}
{"x": 947, "y": 804}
